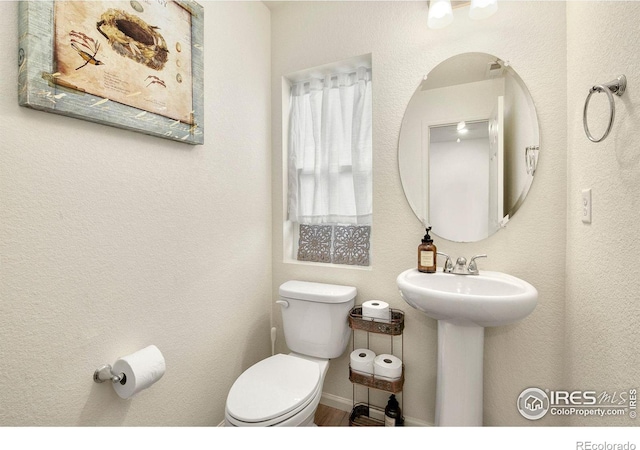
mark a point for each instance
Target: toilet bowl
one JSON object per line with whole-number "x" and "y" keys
{"x": 285, "y": 389}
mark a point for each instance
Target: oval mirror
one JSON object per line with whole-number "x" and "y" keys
{"x": 468, "y": 147}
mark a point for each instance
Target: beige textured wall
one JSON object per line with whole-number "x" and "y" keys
{"x": 112, "y": 240}
{"x": 603, "y": 276}
{"x": 532, "y": 37}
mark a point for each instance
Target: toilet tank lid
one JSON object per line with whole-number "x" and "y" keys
{"x": 317, "y": 292}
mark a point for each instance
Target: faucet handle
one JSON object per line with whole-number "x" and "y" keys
{"x": 473, "y": 267}
{"x": 448, "y": 265}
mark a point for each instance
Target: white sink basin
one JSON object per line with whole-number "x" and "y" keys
{"x": 489, "y": 299}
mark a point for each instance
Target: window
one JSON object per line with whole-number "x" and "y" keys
{"x": 329, "y": 159}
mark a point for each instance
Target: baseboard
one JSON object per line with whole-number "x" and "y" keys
{"x": 333, "y": 401}
{"x": 346, "y": 404}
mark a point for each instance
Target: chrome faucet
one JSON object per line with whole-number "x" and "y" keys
{"x": 461, "y": 267}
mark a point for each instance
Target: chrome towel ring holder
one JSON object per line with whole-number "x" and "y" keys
{"x": 617, "y": 86}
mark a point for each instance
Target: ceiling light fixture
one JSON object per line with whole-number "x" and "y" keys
{"x": 481, "y": 9}
{"x": 440, "y": 14}
{"x": 441, "y": 11}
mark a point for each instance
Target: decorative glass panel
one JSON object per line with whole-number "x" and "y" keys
{"x": 315, "y": 243}
{"x": 351, "y": 245}
{"x": 339, "y": 244}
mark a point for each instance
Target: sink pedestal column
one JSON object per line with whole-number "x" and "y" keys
{"x": 459, "y": 379}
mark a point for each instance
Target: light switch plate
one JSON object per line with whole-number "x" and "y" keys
{"x": 586, "y": 205}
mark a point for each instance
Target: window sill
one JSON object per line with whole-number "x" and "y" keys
{"x": 328, "y": 265}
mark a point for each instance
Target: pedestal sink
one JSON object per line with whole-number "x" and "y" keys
{"x": 464, "y": 305}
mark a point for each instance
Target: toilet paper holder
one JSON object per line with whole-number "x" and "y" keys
{"x": 105, "y": 373}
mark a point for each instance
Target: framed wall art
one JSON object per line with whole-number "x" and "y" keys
{"x": 137, "y": 65}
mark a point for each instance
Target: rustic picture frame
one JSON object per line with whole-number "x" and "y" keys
{"x": 41, "y": 86}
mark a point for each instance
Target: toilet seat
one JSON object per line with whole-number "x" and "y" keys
{"x": 273, "y": 390}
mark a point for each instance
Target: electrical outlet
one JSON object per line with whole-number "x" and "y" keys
{"x": 586, "y": 205}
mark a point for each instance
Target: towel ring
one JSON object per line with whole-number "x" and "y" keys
{"x": 617, "y": 86}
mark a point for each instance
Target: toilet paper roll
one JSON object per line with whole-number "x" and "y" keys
{"x": 362, "y": 360}
{"x": 388, "y": 367}
{"x": 141, "y": 369}
{"x": 376, "y": 309}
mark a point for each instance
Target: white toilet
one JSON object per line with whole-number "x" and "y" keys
{"x": 284, "y": 390}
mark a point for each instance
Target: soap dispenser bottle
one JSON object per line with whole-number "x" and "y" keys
{"x": 427, "y": 254}
{"x": 393, "y": 413}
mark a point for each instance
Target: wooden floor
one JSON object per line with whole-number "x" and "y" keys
{"x": 331, "y": 417}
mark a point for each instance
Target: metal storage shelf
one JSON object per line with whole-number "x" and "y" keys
{"x": 361, "y": 412}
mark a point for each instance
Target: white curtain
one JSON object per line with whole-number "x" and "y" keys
{"x": 330, "y": 150}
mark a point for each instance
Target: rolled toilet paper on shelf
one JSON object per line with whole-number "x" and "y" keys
{"x": 388, "y": 367}
{"x": 141, "y": 369}
{"x": 362, "y": 361}
{"x": 376, "y": 309}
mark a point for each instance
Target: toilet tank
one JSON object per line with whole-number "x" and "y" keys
{"x": 315, "y": 317}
